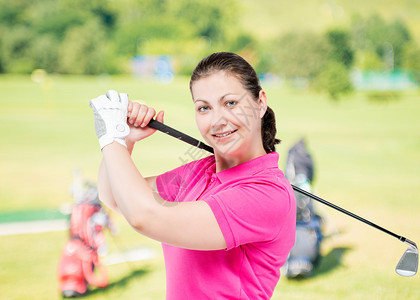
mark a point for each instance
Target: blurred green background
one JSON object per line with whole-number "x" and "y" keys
{"x": 342, "y": 74}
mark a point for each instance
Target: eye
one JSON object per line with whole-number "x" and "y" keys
{"x": 230, "y": 103}
{"x": 203, "y": 108}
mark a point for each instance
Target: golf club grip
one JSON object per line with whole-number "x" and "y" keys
{"x": 192, "y": 141}
{"x": 179, "y": 135}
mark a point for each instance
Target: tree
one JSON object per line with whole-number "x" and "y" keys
{"x": 322, "y": 60}
{"x": 334, "y": 79}
{"x": 15, "y": 46}
{"x": 411, "y": 60}
{"x": 340, "y": 48}
{"x": 44, "y": 53}
{"x": 386, "y": 39}
{"x": 210, "y": 18}
{"x": 83, "y": 50}
{"x": 300, "y": 54}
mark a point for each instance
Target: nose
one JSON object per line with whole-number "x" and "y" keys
{"x": 218, "y": 121}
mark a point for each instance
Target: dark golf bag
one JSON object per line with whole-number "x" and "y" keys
{"x": 79, "y": 264}
{"x": 305, "y": 254}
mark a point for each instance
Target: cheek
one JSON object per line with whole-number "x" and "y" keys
{"x": 201, "y": 123}
{"x": 246, "y": 116}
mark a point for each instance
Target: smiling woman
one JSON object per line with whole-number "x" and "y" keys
{"x": 241, "y": 77}
{"x": 228, "y": 119}
{"x": 227, "y": 221}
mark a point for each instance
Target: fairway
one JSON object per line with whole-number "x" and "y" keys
{"x": 367, "y": 157}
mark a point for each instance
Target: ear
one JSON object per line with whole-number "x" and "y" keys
{"x": 262, "y": 103}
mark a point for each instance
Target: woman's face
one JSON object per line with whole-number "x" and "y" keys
{"x": 227, "y": 115}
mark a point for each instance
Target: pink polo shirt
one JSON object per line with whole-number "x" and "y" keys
{"x": 256, "y": 211}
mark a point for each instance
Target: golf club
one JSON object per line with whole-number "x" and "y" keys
{"x": 407, "y": 265}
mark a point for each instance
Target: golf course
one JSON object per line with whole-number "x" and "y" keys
{"x": 366, "y": 154}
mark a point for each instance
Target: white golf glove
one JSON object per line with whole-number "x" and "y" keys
{"x": 110, "y": 113}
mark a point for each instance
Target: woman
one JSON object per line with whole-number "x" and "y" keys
{"x": 227, "y": 221}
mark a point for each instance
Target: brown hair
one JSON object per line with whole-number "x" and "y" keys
{"x": 237, "y": 66}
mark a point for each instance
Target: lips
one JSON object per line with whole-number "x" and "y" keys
{"x": 224, "y": 134}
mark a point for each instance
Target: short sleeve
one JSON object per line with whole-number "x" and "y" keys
{"x": 251, "y": 212}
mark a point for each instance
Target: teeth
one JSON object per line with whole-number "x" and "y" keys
{"x": 223, "y": 135}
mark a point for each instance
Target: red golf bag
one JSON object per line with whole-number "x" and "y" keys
{"x": 79, "y": 265}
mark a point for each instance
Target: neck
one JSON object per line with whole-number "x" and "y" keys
{"x": 227, "y": 161}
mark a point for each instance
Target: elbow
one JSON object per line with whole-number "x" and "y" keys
{"x": 140, "y": 219}
{"x": 136, "y": 223}
{"x": 108, "y": 200}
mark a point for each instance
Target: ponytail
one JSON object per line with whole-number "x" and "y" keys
{"x": 269, "y": 130}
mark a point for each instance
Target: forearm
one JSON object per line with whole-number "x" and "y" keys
{"x": 104, "y": 188}
{"x": 131, "y": 193}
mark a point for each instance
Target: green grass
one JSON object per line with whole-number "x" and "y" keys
{"x": 367, "y": 159}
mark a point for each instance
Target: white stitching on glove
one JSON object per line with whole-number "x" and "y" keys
{"x": 110, "y": 113}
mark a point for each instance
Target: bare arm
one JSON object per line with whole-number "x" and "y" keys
{"x": 121, "y": 186}
{"x": 190, "y": 225}
{"x": 137, "y": 114}
{"x": 104, "y": 188}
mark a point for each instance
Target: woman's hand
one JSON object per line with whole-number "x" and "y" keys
{"x": 138, "y": 116}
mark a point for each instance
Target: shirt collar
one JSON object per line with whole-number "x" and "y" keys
{"x": 269, "y": 160}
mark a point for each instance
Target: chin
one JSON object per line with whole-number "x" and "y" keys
{"x": 230, "y": 149}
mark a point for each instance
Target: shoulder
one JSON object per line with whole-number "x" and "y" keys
{"x": 199, "y": 167}
{"x": 270, "y": 185}
{"x": 253, "y": 210}
{"x": 193, "y": 167}
{"x": 205, "y": 162}
{"x": 189, "y": 172}
{"x": 271, "y": 178}
{"x": 266, "y": 191}
{"x": 170, "y": 183}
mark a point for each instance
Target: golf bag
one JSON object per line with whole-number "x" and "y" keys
{"x": 79, "y": 263}
{"x": 305, "y": 254}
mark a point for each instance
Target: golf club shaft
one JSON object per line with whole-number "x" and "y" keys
{"x": 192, "y": 141}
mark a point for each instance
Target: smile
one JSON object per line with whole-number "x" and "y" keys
{"x": 224, "y": 134}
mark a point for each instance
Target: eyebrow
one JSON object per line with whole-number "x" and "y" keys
{"x": 220, "y": 99}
